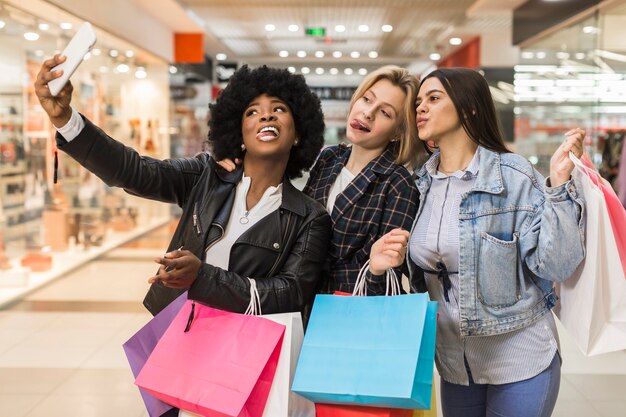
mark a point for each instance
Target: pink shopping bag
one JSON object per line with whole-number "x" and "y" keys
{"x": 223, "y": 366}
{"x": 617, "y": 212}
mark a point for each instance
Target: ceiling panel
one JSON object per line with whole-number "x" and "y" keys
{"x": 419, "y": 26}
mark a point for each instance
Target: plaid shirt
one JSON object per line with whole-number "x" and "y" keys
{"x": 382, "y": 197}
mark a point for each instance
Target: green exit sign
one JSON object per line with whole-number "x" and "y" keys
{"x": 315, "y": 31}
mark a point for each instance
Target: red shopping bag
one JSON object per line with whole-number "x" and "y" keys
{"x": 223, "y": 366}
{"x": 336, "y": 410}
{"x": 617, "y": 212}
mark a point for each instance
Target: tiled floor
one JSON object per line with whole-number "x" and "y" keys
{"x": 61, "y": 354}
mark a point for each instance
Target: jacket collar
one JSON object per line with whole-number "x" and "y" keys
{"x": 292, "y": 198}
{"x": 489, "y": 179}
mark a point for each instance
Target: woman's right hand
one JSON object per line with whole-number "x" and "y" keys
{"x": 388, "y": 251}
{"x": 58, "y": 108}
{"x": 228, "y": 164}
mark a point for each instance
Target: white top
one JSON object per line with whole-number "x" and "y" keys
{"x": 344, "y": 179}
{"x": 241, "y": 220}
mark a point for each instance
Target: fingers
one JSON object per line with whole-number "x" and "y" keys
{"x": 46, "y": 74}
{"x": 227, "y": 164}
{"x": 179, "y": 253}
{"x": 48, "y": 64}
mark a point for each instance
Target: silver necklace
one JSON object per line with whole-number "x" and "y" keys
{"x": 244, "y": 219}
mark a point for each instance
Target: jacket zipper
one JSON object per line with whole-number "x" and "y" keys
{"x": 282, "y": 245}
{"x": 196, "y": 223}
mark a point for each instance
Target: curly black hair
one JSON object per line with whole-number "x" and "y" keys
{"x": 245, "y": 85}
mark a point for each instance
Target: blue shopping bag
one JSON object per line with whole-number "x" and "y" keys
{"x": 376, "y": 351}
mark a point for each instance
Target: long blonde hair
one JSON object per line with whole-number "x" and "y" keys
{"x": 409, "y": 152}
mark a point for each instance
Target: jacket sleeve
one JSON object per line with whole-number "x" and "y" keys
{"x": 290, "y": 290}
{"x": 553, "y": 245}
{"x": 400, "y": 211}
{"x": 117, "y": 165}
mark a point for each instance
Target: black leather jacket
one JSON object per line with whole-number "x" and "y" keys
{"x": 284, "y": 252}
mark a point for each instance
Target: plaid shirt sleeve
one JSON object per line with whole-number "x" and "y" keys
{"x": 400, "y": 211}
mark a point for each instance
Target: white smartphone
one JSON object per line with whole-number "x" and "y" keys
{"x": 75, "y": 51}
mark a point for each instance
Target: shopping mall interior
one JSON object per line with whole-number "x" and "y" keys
{"x": 76, "y": 255}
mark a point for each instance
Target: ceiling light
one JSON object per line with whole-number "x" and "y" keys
{"x": 301, "y": 54}
{"x": 66, "y": 26}
{"x": 113, "y": 53}
{"x": 305, "y": 70}
{"x": 590, "y": 29}
{"x": 270, "y": 28}
{"x": 355, "y": 54}
{"x": 580, "y": 55}
{"x": 337, "y": 54}
{"x": 141, "y": 73}
{"x": 319, "y": 70}
{"x": 87, "y": 56}
{"x": 221, "y": 57}
{"x": 435, "y": 56}
{"x": 44, "y": 26}
{"x": 283, "y": 54}
{"x": 362, "y": 71}
{"x": 129, "y": 54}
{"x": 2, "y": 24}
{"x": 455, "y": 41}
{"x": 340, "y": 28}
{"x": 319, "y": 54}
{"x": 562, "y": 55}
{"x": 96, "y": 51}
{"x": 540, "y": 55}
{"x": 293, "y": 28}
{"x": 173, "y": 69}
{"x": 528, "y": 55}
{"x": 334, "y": 71}
{"x": 364, "y": 28}
{"x": 123, "y": 68}
{"x": 348, "y": 71}
{"x": 31, "y": 36}
{"x": 386, "y": 28}
{"x": 291, "y": 69}
{"x": 373, "y": 54}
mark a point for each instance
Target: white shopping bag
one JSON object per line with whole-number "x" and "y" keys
{"x": 592, "y": 305}
{"x": 282, "y": 402}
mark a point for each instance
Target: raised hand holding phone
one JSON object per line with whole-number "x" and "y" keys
{"x": 75, "y": 51}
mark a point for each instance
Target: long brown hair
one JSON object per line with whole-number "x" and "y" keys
{"x": 472, "y": 100}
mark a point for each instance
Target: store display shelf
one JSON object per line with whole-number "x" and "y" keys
{"x": 64, "y": 262}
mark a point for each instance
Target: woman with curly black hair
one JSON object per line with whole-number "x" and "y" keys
{"x": 247, "y": 227}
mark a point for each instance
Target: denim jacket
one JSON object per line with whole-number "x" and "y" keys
{"x": 517, "y": 237}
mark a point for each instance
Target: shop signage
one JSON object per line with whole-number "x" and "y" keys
{"x": 224, "y": 71}
{"x": 334, "y": 93}
{"x": 182, "y": 92}
{"x": 315, "y": 31}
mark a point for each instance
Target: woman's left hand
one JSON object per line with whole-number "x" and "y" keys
{"x": 561, "y": 166}
{"x": 179, "y": 269}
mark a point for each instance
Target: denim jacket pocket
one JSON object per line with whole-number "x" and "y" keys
{"x": 497, "y": 280}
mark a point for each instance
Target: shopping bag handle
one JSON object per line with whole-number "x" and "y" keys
{"x": 595, "y": 177}
{"x": 254, "y": 307}
{"x": 360, "y": 287}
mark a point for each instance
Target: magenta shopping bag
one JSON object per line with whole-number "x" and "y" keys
{"x": 139, "y": 347}
{"x": 222, "y": 366}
